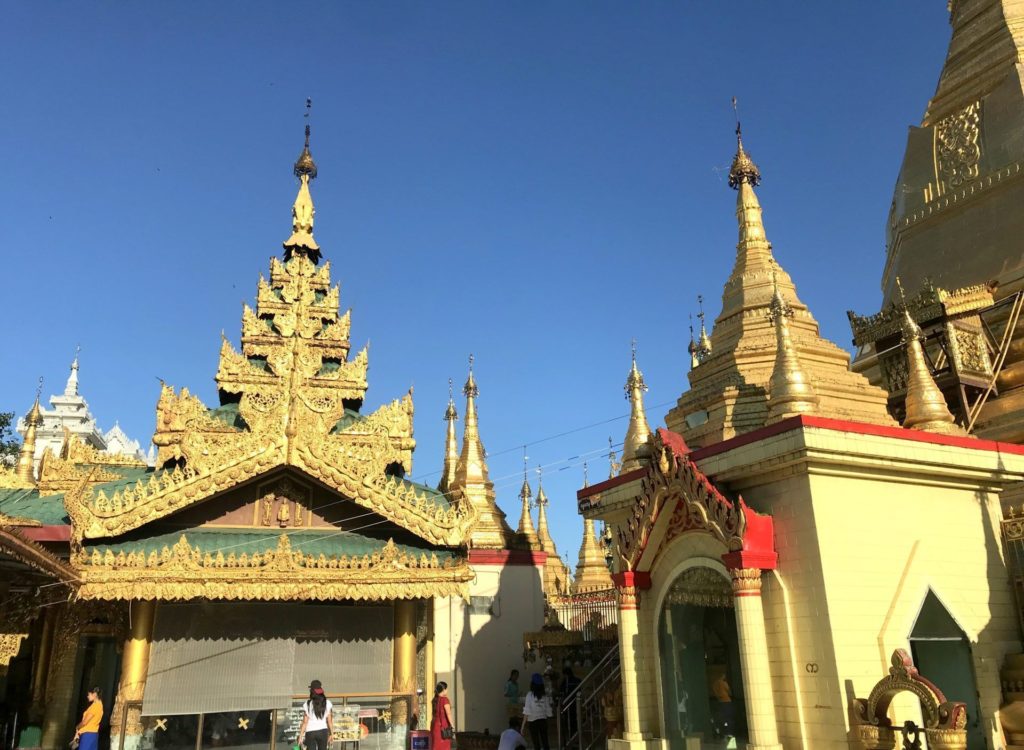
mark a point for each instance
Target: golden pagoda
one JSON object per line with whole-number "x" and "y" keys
{"x": 527, "y": 533}
{"x": 730, "y": 388}
{"x": 556, "y": 575}
{"x": 592, "y": 572}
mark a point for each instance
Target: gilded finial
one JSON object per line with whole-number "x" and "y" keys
{"x": 925, "y": 406}
{"x": 586, "y": 475}
{"x": 692, "y": 347}
{"x": 790, "y": 391}
{"x": 305, "y": 165}
{"x": 24, "y": 467}
{"x": 743, "y": 169}
{"x": 450, "y": 414}
{"x": 636, "y": 445}
{"x": 703, "y": 349}
{"x": 613, "y": 464}
{"x": 303, "y": 211}
{"x": 470, "y": 390}
{"x": 526, "y": 528}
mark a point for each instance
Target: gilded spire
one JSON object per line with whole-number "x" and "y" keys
{"x": 543, "y": 533}
{"x": 472, "y": 482}
{"x": 790, "y": 391}
{"x": 526, "y": 529}
{"x": 692, "y": 348}
{"x": 636, "y": 449}
{"x": 26, "y": 456}
{"x": 451, "y": 443}
{"x": 71, "y": 387}
{"x": 591, "y": 572}
{"x": 302, "y": 210}
{"x": 613, "y": 464}
{"x": 743, "y": 170}
{"x": 703, "y": 348}
{"x": 926, "y": 407}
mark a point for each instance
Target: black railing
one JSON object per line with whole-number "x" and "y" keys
{"x": 593, "y": 613}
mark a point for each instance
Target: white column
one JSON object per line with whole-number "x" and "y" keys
{"x": 757, "y": 678}
{"x": 629, "y": 644}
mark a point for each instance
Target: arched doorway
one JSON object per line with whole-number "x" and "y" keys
{"x": 702, "y": 682}
{"x": 940, "y": 649}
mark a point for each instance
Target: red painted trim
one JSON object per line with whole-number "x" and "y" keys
{"x": 507, "y": 557}
{"x": 746, "y": 593}
{"x": 859, "y": 428}
{"x": 46, "y": 533}
{"x": 640, "y": 579}
{"x": 607, "y": 484}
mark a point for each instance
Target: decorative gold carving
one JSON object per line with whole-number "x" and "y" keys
{"x": 945, "y": 721}
{"x": 930, "y": 303}
{"x": 9, "y": 480}
{"x": 628, "y": 597}
{"x": 956, "y": 145}
{"x": 76, "y": 451}
{"x": 185, "y": 572}
{"x": 676, "y": 483}
{"x": 746, "y": 581}
{"x": 702, "y": 587}
{"x": 6, "y": 520}
{"x": 32, "y": 554}
{"x": 10, "y": 645}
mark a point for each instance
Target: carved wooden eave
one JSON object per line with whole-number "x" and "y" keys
{"x": 23, "y": 550}
{"x": 95, "y": 515}
{"x": 675, "y": 496}
{"x": 183, "y": 572}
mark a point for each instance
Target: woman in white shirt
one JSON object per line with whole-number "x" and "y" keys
{"x": 536, "y": 712}
{"x": 317, "y": 724}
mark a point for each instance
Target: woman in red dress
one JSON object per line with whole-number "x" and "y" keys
{"x": 442, "y": 729}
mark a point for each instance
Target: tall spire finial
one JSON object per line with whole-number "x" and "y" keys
{"x": 71, "y": 387}
{"x": 925, "y": 406}
{"x": 613, "y": 464}
{"x": 703, "y": 349}
{"x": 451, "y": 443}
{"x": 586, "y": 475}
{"x": 526, "y": 528}
{"x": 302, "y": 210}
{"x": 636, "y": 448}
{"x": 692, "y": 346}
{"x": 790, "y": 391}
{"x": 743, "y": 169}
{"x": 24, "y": 468}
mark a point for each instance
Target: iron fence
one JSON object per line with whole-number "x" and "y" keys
{"x": 592, "y": 613}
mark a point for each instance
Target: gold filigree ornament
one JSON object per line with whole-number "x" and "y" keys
{"x": 184, "y": 572}
{"x": 289, "y": 399}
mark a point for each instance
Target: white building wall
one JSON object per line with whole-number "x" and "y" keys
{"x": 477, "y": 643}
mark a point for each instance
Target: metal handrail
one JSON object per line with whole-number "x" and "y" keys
{"x": 579, "y": 704}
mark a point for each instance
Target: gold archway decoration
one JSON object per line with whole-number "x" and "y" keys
{"x": 945, "y": 722}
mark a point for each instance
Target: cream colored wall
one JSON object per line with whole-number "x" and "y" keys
{"x": 474, "y": 653}
{"x": 883, "y": 545}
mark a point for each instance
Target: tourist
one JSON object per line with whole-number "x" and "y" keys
{"x": 442, "y": 728}
{"x": 512, "y": 694}
{"x": 511, "y": 739}
{"x": 317, "y": 723}
{"x": 536, "y": 712}
{"x": 87, "y": 732}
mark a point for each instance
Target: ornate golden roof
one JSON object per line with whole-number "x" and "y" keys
{"x": 291, "y": 397}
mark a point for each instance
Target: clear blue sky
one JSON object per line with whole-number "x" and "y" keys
{"x": 532, "y": 182}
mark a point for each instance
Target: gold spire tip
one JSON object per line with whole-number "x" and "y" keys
{"x": 305, "y": 165}
{"x": 743, "y": 169}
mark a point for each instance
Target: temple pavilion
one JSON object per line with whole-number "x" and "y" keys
{"x": 276, "y": 540}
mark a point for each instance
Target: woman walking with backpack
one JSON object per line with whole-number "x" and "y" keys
{"x": 317, "y": 723}
{"x": 442, "y": 728}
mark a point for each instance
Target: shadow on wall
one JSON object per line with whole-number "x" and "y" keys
{"x": 491, "y": 645}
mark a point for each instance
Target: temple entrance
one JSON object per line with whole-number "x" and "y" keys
{"x": 941, "y": 651}
{"x": 702, "y": 681}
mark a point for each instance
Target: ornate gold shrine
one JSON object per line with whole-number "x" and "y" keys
{"x": 288, "y": 426}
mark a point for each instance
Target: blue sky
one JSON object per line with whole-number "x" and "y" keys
{"x": 533, "y": 182}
